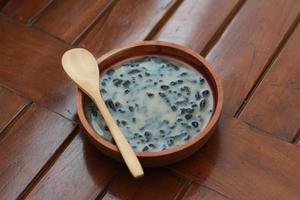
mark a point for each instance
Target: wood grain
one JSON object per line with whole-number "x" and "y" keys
{"x": 248, "y": 43}
{"x": 242, "y": 163}
{"x": 128, "y": 21}
{"x": 10, "y": 105}
{"x": 198, "y": 192}
{"x": 2, "y": 3}
{"x": 27, "y": 146}
{"x": 24, "y": 10}
{"x": 30, "y": 64}
{"x": 157, "y": 184}
{"x": 81, "y": 172}
{"x": 69, "y": 19}
{"x": 275, "y": 105}
{"x": 195, "y": 22}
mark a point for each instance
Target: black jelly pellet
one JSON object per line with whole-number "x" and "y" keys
{"x": 123, "y": 122}
{"x": 162, "y": 131}
{"x": 162, "y": 94}
{"x": 150, "y": 94}
{"x": 94, "y": 112}
{"x": 180, "y": 81}
{"x": 179, "y": 119}
{"x": 147, "y": 73}
{"x": 205, "y": 93}
{"x": 148, "y": 134}
{"x": 145, "y": 148}
{"x": 133, "y": 71}
{"x": 110, "y": 104}
{"x": 118, "y": 104}
{"x": 164, "y": 87}
{"x": 121, "y": 75}
{"x": 117, "y": 82}
{"x": 110, "y": 72}
{"x": 202, "y": 104}
{"x": 198, "y": 95}
{"x": 122, "y": 111}
{"x": 166, "y": 121}
{"x": 194, "y": 105}
{"x": 188, "y": 116}
{"x": 103, "y": 90}
{"x": 174, "y": 108}
{"x": 195, "y": 124}
{"x": 103, "y": 83}
{"x": 118, "y": 122}
{"x": 173, "y": 83}
{"x": 152, "y": 145}
{"x": 170, "y": 141}
{"x": 140, "y": 75}
{"x": 201, "y": 81}
{"x": 160, "y": 80}
{"x": 210, "y": 110}
{"x": 133, "y": 119}
{"x": 131, "y": 108}
{"x": 190, "y": 110}
{"x": 155, "y": 83}
{"x": 187, "y": 138}
{"x": 106, "y": 128}
{"x": 126, "y": 83}
{"x": 183, "y": 74}
{"x": 126, "y": 91}
{"x": 179, "y": 94}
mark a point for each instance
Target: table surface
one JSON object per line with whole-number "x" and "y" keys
{"x": 253, "y": 44}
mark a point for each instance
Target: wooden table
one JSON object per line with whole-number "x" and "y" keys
{"x": 253, "y": 44}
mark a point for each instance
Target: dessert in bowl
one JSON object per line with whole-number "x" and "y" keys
{"x": 165, "y": 98}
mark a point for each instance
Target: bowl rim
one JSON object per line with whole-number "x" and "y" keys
{"x": 218, "y": 103}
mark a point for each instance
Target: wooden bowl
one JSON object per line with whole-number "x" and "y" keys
{"x": 166, "y": 49}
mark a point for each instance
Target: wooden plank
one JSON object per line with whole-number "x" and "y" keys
{"x": 10, "y": 106}
{"x": 2, "y": 3}
{"x": 28, "y": 145}
{"x": 81, "y": 172}
{"x": 248, "y": 44}
{"x": 195, "y": 22}
{"x": 275, "y": 105}
{"x": 242, "y": 163}
{"x": 24, "y": 10}
{"x": 157, "y": 184}
{"x": 30, "y": 64}
{"x": 128, "y": 21}
{"x": 198, "y": 192}
{"x": 69, "y": 19}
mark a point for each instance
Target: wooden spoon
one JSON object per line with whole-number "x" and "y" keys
{"x": 82, "y": 68}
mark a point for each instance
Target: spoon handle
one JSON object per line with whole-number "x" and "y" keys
{"x": 124, "y": 147}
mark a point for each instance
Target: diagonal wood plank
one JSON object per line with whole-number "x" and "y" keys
{"x": 81, "y": 172}
{"x": 30, "y": 64}
{"x": 242, "y": 163}
{"x": 198, "y": 192}
{"x": 196, "y": 21}
{"x": 275, "y": 105}
{"x": 127, "y": 22}
{"x": 149, "y": 187}
{"x": 248, "y": 44}
{"x": 3, "y": 3}
{"x": 69, "y": 19}
{"x": 27, "y": 146}
{"x": 10, "y": 106}
{"x": 24, "y": 10}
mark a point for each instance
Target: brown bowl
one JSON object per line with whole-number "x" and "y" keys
{"x": 166, "y": 49}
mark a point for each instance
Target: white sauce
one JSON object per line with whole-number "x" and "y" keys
{"x": 152, "y": 123}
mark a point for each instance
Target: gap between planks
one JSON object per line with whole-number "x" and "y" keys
{"x": 217, "y": 35}
{"x": 39, "y": 13}
{"x": 164, "y": 19}
{"x": 13, "y": 120}
{"x": 49, "y": 164}
{"x": 267, "y": 67}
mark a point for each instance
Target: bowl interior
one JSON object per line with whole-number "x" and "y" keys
{"x": 173, "y": 51}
